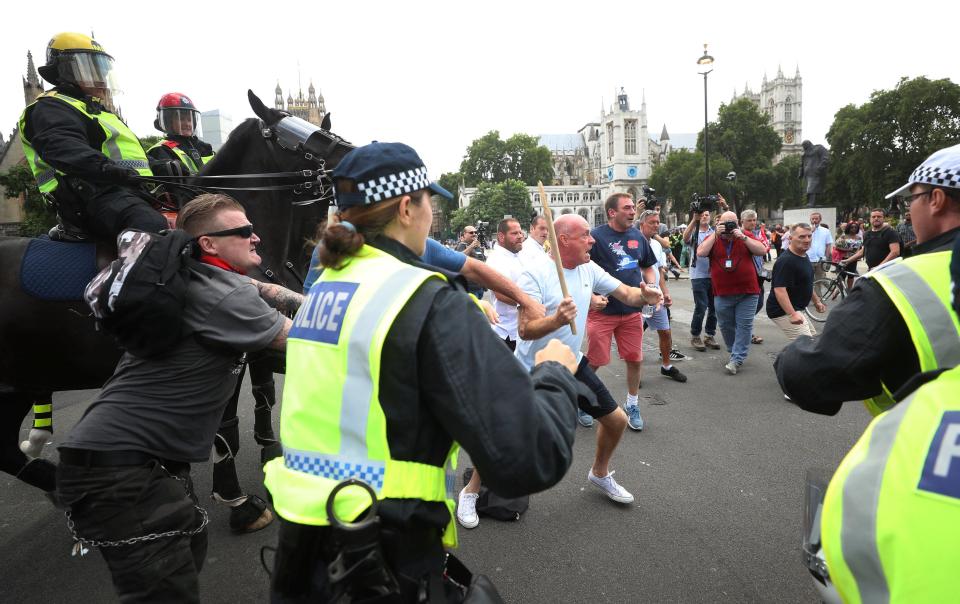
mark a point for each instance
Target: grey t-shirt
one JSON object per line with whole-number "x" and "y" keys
{"x": 702, "y": 269}
{"x": 170, "y": 406}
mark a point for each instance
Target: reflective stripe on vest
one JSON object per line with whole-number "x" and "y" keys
{"x": 919, "y": 288}
{"x": 120, "y": 144}
{"x": 891, "y": 514}
{"x": 183, "y": 156}
{"x": 332, "y": 425}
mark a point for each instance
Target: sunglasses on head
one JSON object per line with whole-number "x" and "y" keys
{"x": 245, "y": 232}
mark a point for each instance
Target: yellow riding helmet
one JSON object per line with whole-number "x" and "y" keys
{"x": 78, "y": 59}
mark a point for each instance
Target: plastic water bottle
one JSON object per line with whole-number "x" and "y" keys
{"x": 647, "y": 310}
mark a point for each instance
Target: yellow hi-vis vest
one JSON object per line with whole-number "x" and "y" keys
{"x": 185, "y": 159}
{"x": 891, "y": 514}
{"x": 332, "y": 426}
{"x": 919, "y": 288}
{"x": 120, "y": 144}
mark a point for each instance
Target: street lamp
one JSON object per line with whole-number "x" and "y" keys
{"x": 706, "y": 61}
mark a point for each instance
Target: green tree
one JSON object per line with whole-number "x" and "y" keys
{"x": 875, "y": 146}
{"x": 742, "y": 135}
{"x": 680, "y": 177}
{"x": 491, "y": 159}
{"x": 38, "y": 216}
{"x": 451, "y": 181}
{"x": 148, "y": 141}
{"x": 492, "y": 202}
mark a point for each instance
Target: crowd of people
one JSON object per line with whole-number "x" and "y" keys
{"x": 386, "y": 335}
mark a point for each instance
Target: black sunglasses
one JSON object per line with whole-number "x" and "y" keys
{"x": 246, "y": 231}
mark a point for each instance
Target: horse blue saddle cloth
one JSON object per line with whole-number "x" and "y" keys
{"x": 53, "y": 270}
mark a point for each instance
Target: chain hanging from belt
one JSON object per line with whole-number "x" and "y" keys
{"x": 80, "y": 543}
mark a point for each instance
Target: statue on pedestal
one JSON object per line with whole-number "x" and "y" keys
{"x": 813, "y": 169}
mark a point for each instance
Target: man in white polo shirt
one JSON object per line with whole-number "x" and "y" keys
{"x": 821, "y": 244}
{"x": 533, "y": 248}
{"x": 583, "y": 276}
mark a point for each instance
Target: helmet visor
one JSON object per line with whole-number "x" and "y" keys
{"x": 180, "y": 121}
{"x": 92, "y": 72}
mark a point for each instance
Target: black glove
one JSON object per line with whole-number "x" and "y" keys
{"x": 168, "y": 167}
{"x": 120, "y": 175}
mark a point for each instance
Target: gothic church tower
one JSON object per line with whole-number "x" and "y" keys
{"x": 782, "y": 100}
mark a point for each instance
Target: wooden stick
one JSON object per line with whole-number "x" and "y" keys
{"x": 555, "y": 248}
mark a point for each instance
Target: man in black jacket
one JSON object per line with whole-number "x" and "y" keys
{"x": 80, "y": 151}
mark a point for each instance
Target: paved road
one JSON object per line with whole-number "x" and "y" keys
{"x": 717, "y": 474}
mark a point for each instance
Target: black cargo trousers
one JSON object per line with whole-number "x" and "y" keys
{"x": 124, "y": 503}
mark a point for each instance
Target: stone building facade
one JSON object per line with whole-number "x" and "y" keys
{"x": 782, "y": 100}
{"x": 11, "y": 155}
{"x": 312, "y": 108}
{"x": 612, "y": 155}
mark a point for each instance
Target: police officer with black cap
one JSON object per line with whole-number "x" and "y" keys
{"x": 391, "y": 367}
{"x": 84, "y": 157}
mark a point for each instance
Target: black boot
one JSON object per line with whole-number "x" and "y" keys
{"x": 265, "y": 397}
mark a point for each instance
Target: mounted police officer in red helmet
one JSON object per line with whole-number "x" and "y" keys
{"x": 84, "y": 157}
{"x": 181, "y": 153}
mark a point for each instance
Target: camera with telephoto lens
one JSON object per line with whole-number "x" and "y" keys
{"x": 729, "y": 226}
{"x": 652, "y": 202}
{"x": 482, "y": 228}
{"x": 703, "y": 203}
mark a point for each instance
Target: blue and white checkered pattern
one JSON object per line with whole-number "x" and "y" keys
{"x": 394, "y": 185}
{"x": 937, "y": 176}
{"x": 336, "y": 469}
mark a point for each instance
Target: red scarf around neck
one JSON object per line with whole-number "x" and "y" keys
{"x": 220, "y": 263}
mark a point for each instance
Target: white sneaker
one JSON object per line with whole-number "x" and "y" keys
{"x": 609, "y": 486}
{"x": 467, "y": 510}
{"x": 731, "y": 368}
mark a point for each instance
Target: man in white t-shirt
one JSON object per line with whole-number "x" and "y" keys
{"x": 583, "y": 277}
{"x": 533, "y": 245}
{"x": 505, "y": 259}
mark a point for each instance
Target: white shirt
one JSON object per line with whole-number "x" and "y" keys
{"x": 510, "y": 266}
{"x": 539, "y": 281}
{"x": 532, "y": 250}
{"x": 818, "y": 243}
{"x": 661, "y": 258}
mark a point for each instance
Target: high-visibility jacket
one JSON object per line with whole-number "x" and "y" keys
{"x": 891, "y": 514}
{"x": 184, "y": 157}
{"x": 120, "y": 144}
{"x": 332, "y": 426}
{"x": 919, "y": 288}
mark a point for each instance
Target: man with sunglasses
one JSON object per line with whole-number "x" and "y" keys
{"x": 895, "y": 322}
{"x": 471, "y": 246}
{"x": 124, "y": 475}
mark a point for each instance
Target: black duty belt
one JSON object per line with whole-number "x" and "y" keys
{"x": 107, "y": 459}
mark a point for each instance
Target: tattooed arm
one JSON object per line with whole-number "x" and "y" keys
{"x": 279, "y": 297}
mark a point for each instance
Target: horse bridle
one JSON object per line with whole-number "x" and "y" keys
{"x": 292, "y": 135}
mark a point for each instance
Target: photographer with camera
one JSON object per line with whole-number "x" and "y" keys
{"x": 472, "y": 243}
{"x": 735, "y": 287}
{"x": 791, "y": 289}
{"x": 748, "y": 218}
{"x": 700, "y": 284}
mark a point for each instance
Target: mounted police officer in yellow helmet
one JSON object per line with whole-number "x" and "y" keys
{"x": 84, "y": 157}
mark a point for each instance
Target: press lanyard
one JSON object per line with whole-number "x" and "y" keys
{"x": 729, "y": 246}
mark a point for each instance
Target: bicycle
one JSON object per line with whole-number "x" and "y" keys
{"x": 831, "y": 290}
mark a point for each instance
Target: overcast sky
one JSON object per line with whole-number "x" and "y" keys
{"x": 437, "y": 75}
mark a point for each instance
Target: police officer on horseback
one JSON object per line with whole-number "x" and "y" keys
{"x": 181, "y": 153}
{"x": 84, "y": 157}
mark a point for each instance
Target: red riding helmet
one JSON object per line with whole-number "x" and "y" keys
{"x": 177, "y": 115}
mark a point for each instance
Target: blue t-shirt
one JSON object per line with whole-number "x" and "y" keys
{"x": 623, "y": 256}
{"x": 702, "y": 269}
{"x": 436, "y": 254}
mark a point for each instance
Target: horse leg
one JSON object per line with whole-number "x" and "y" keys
{"x": 265, "y": 398}
{"x": 248, "y": 513}
{"x": 42, "y": 431}
{"x": 39, "y": 473}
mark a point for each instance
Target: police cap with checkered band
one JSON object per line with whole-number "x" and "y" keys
{"x": 942, "y": 169}
{"x": 382, "y": 171}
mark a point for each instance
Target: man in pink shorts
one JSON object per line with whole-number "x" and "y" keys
{"x": 625, "y": 254}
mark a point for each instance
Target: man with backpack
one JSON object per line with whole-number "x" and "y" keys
{"x": 124, "y": 476}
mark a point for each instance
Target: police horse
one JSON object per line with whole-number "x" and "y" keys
{"x": 277, "y": 166}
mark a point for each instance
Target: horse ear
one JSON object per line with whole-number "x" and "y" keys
{"x": 257, "y": 105}
{"x": 325, "y": 124}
